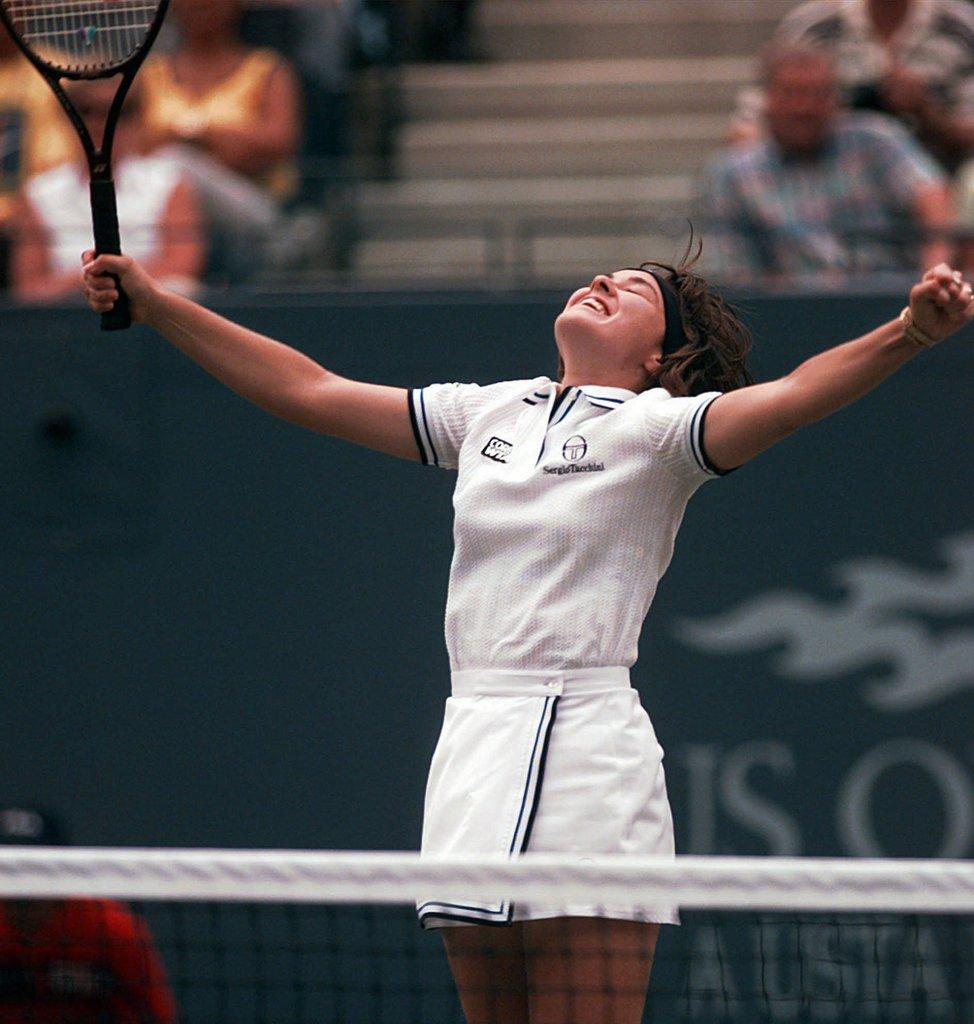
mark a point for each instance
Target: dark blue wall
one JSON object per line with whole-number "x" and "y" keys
{"x": 219, "y": 630}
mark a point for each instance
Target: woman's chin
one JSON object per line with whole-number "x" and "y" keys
{"x": 579, "y": 328}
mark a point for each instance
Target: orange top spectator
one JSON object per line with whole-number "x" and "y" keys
{"x": 34, "y": 135}
{"x": 236, "y": 104}
{"x": 230, "y": 116}
{"x": 158, "y": 213}
{"x": 33, "y": 130}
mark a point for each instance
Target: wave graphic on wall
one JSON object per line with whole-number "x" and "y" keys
{"x": 882, "y": 622}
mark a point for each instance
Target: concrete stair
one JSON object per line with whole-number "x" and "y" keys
{"x": 556, "y": 88}
{"x": 516, "y": 229}
{"x": 578, "y": 142}
{"x": 459, "y": 252}
{"x": 614, "y": 29}
{"x": 462, "y": 200}
{"x": 554, "y": 145}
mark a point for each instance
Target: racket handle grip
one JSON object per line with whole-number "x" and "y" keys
{"x": 104, "y": 215}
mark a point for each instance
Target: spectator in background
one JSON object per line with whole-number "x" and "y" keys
{"x": 333, "y": 45}
{"x": 826, "y": 193}
{"x": 319, "y": 39}
{"x": 913, "y": 59}
{"x": 158, "y": 213}
{"x": 34, "y": 135}
{"x": 74, "y": 961}
{"x": 230, "y": 115}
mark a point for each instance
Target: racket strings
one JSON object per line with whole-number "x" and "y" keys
{"x": 83, "y": 35}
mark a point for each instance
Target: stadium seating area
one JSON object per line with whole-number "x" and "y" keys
{"x": 579, "y": 140}
{"x": 554, "y": 137}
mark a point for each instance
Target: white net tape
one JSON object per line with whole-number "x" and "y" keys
{"x": 740, "y": 883}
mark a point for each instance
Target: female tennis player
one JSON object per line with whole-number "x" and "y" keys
{"x": 568, "y": 500}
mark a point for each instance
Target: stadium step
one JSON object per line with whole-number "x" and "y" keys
{"x": 576, "y": 144}
{"x": 507, "y": 200}
{"x": 486, "y": 147}
{"x": 539, "y": 29}
{"x": 558, "y": 259}
{"x": 554, "y": 87}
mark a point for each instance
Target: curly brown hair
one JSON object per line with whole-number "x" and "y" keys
{"x": 714, "y": 358}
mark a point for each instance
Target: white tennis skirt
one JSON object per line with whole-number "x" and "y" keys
{"x": 551, "y": 762}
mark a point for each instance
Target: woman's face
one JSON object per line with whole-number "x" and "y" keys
{"x": 208, "y": 18}
{"x": 612, "y": 330}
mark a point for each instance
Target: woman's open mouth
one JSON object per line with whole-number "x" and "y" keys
{"x": 593, "y": 302}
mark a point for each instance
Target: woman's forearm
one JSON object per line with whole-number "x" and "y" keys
{"x": 835, "y": 378}
{"x": 273, "y": 376}
{"x": 745, "y": 422}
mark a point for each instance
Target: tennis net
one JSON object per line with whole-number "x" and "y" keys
{"x": 213, "y": 937}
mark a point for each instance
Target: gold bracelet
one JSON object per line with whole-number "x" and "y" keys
{"x": 914, "y": 333}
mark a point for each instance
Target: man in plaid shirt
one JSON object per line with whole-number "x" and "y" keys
{"x": 826, "y": 193}
{"x": 913, "y": 59}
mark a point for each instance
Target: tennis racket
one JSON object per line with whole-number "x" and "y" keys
{"x": 80, "y": 40}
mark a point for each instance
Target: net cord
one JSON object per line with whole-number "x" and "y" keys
{"x": 743, "y": 883}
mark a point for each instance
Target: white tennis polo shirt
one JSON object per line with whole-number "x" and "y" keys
{"x": 567, "y": 507}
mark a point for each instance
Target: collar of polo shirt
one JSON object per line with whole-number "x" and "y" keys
{"x": 594, "y": 392}
{"x": 603, "y": 396}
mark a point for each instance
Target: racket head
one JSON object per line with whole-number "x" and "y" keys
{"x": 84, "y": 39}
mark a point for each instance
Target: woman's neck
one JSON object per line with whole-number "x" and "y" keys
{"x": 202, "y": 48}
{"x": 635, "y": 382}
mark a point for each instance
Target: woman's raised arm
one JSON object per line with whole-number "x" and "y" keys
{"x": 742, "y": 423}
{"x": 273, "y": 376}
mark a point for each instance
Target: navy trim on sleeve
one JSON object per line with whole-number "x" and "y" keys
{"x": 710, "y": 467}
{"x": 694, "y": 438}
{"x": 415, "y": 426}
{"x": 421, "y": 428}
{"x": 426, "y": 426}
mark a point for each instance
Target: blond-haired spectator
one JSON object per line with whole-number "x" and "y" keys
{"x": 157, "y": 210}
{"x": 230, "y": 114}
{"x": 34, "y": 134}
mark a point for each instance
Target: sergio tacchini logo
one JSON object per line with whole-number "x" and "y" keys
{"x": 575, "y": 448}
{"x": 573, "y": 451}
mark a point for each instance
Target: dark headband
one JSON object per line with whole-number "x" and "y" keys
{"x": 674, "y": 337}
